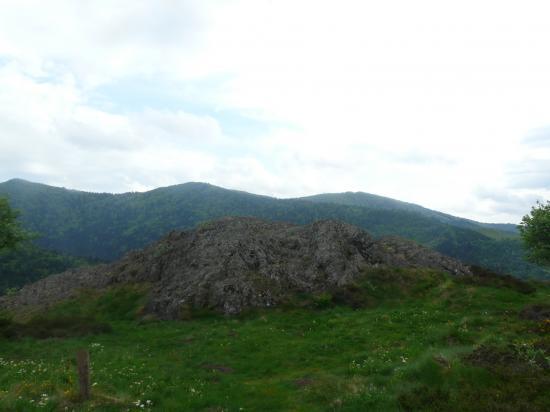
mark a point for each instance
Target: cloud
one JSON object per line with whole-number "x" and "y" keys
{"x": 507, "y": 202}
{"x": 101, "y": 41}
{"x": 427, "y": 102}
{"x": 529, "y": 169}
{"x": 538, "y": 138}
{"x": 531, "y": 174}
{"x": 178, "y": 127}
{"x": 98, "y": 131}
{"x": 158, "y": 24}
{"x": 51, "y": 134}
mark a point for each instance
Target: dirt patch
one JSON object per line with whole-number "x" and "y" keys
{"x": 303, "y": 382}
{"x": 442, "y": 361}
{"x": 425, "y": 398}
{"x": 452, "y": 341}
{"x": 543, "y": 344}
{"x": 188, "y": 339}
{"x": 217, "y": 368}
{"x": 512, "y": 358}
{"x": 542, "y": 327}
{"x": 491, "y": 357}
{"x": 539, "y": 315}
{"x": 59, "y": 327}
{"x": 520, "y": 378}
{"x": 539, "y": 312}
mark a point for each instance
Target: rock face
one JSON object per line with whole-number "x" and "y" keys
{"x": 235, "y": 263}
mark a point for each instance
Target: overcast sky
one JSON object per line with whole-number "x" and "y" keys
{"x": 444, "y": 104}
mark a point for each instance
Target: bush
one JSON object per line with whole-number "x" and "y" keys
{"x": 322, "y": 300}
{"x": 535, "y": 232}
{"x": 7, "y": 329}
{"x": 425, "y": 398}
{"x": 351, "y": 295}
{"x": 60, "y": 327}
{"x": 484, "y": 277}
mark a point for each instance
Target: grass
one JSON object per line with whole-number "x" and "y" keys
{"x": 398, "y": 340}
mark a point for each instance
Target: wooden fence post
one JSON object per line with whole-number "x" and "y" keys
{"x": 83, "y": 366}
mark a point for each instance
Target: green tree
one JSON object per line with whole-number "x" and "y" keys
{"x": 11, "y": 233}
{"x": 535, "y": 231}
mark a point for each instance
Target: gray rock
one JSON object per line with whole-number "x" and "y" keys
{"x": 235, "y": 263}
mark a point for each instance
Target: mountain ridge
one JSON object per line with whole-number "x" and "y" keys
{"x": 369, "y": 199}
{"x": 105, "y": 226}
{"x": 328, "y": 197}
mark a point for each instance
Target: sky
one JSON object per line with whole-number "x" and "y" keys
{"x": 444, "y": 104}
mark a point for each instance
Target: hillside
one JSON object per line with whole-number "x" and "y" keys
{"x": 29, "y": 263}
{"x": 105, "y": 226}
{"x": 398, "y": 340}
{"x": 244, "y": 314}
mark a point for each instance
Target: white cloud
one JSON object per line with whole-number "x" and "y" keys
{"x": 50, "y": 134}
{"x": 423, "y": 101}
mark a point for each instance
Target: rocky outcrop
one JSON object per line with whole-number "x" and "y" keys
{"x": 235, "y": 263}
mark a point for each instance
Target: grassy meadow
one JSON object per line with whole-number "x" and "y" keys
{"x": 398, "y": 340}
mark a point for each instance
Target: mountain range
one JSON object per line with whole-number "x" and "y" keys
{"x": 103, "y": 226}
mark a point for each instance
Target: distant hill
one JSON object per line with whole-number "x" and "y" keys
{"x": 105, "y": 226}
{"x": 29, "y": 263}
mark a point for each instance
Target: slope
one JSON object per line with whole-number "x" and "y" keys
{"x": 105, "y": 226}
{"x": 420, "y": 341}
{"x": 496, "y": 230}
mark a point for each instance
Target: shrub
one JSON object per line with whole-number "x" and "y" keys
{"x": 425, "y": 398}
{"x": 41, "y": 327}
{"x": 351, "y": 295}
{"x": 322, "y": 300}
{"x": 484, "y": 277}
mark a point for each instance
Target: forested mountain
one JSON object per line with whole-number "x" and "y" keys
{"x": 105, "y": 226}
{"x": 379, "y": 202}
{"x": 28, "y": 263}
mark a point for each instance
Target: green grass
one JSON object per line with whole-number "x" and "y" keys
{"x": 404, "y": 347}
